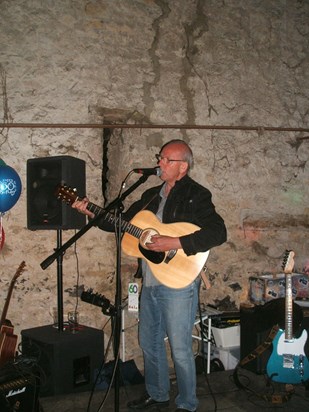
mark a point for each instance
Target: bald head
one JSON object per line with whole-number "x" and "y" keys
{"x": 182, "y": 149}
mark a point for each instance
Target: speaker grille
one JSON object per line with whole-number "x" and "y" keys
{"x": 44, "y": 210}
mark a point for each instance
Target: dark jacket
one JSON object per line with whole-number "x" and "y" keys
{"x": 188, "y": 201}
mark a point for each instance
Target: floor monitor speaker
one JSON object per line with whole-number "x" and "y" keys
{"x": 44, "y": 210}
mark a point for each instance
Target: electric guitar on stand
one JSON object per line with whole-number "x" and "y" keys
{"x": 173, "y": 268}
{"x": 288, "y": 362}
{"x": 8, "y": 340}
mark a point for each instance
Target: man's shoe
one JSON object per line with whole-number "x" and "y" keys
{"x": 183, "y": 410}
{"x": 145, "y": 402}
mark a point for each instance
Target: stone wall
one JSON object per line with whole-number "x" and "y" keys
{"x": 239, "y": 64}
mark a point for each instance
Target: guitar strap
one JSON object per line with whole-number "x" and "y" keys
{"x": 261, "y": 348}
{"x": 274, "y": 398}
{"x": 205, "y": 279}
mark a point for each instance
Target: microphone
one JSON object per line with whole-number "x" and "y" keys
{"x": 148, "y": 172}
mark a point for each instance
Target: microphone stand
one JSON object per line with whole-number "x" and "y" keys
{"x": 59, "y": 283}
{"x": 118, "y": 206}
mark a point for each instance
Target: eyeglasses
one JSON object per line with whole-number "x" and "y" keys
{"x": 166, "y": 159}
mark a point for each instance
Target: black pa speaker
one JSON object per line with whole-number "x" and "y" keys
{"x": 68, "y": 361}
{"x": 44, "y": 210}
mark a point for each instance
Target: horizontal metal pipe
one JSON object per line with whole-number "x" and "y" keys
{"x": 147, "y": 126}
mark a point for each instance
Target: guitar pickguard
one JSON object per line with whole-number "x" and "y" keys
{"x": 154, "y": 257}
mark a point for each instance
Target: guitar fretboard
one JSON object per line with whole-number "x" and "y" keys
{"x": 112, "y": 219}
{"x": 288, "y": 307}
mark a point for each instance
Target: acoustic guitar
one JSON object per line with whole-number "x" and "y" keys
{"x": 288, "y": 362}
{"x": 8, "y": 340}
{"x": 172, "y": 268}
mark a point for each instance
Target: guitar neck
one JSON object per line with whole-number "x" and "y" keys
{"x": 8, "y": 298}
{"x": 288, "y": 307}
{"x": 112, "y": 219}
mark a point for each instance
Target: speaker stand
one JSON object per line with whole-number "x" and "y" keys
{"x": 59, "y": 282}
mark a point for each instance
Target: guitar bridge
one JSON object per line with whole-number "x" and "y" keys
{"x": 288, "y": 361}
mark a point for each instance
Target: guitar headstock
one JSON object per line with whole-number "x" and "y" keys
{"x": 95, "y": 299}
{"x": 66, "y": 193}
{"x": 19, "y": 271}
{"x": 288, "y": 261}
{"x": 98, "y": 300}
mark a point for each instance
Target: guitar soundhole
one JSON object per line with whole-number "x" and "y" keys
{"x": 154, "y": 257}
{"x": 146, "y": 237}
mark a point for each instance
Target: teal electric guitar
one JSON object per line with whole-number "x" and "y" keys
{"x": 288, "y": 362}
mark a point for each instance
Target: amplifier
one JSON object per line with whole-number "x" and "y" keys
{"x": 18, "y": 391}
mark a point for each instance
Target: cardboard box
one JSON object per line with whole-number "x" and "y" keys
{"x": 264, "y": 288}
{"x": 225, "y": 329}
{"x": 227, "y": 337}
{"x": 229, "y": 357}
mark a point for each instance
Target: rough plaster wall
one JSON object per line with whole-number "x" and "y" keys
{"x": 238, "y": 63}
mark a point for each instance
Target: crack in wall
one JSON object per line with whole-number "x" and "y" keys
{"x": 105, "y": 168}
{"x": 147, "y": 98}
{"x": 7, "y": 118}
{"x": 194, "y": 31}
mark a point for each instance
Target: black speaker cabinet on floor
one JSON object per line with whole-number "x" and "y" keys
{"x": 68, "y": 360}
{"x": 253, "y": 332}
{"x": 255, "y": 325}
{"x": 44, "y": 210}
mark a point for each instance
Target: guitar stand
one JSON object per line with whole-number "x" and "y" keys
{"x": 59, "y": 281}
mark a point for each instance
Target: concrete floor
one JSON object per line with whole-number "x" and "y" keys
{"x": 59, "y": 388}
{"x": 216, "y": 391}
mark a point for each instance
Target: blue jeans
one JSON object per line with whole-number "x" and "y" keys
{"x": 169, "y": 312}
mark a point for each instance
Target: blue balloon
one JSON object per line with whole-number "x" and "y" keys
{"x": 10, "y": 188}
